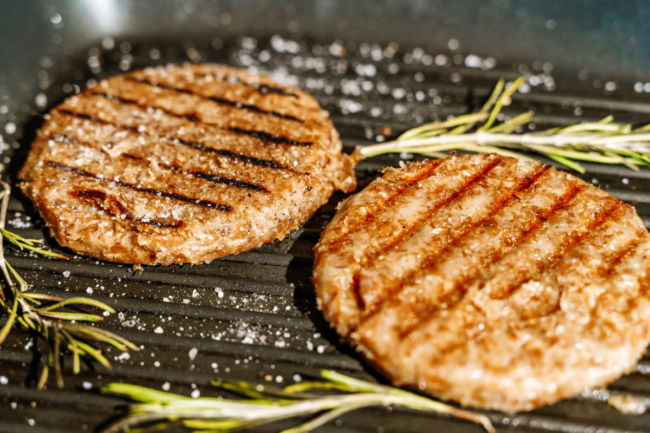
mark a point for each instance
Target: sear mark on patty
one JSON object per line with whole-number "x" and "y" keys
{"x": 115, "y": 208}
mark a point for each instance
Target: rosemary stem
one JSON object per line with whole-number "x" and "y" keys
{"x": 10, "y": 321}
{"x": 484, "y": 138}
{"x": 4, "y": 195}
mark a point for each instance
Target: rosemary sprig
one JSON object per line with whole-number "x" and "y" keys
{"x": 268, "y": 404}
{"x": 603, "y": 142}
{"x": 58, "y": 328}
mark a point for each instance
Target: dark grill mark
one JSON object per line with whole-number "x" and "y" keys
{"x": 152, "y": 191}
{"x": 473, "y": 180}
{"x": 268, "y": 137}
{"x": 228, "y": 181}
{"x": 127, "y": 214}
{"x": 82, "y": 116}
{"x": 218, "y": 179}
{"x": 228, "y": 154}
{"x": 91, "y": 193}
{"x": 250, "y": 159}
{"x": 216, "y": 99}
{"x": 193, "y": 144}
{"x": 96, "y": 195}
{"x": 378, "y": 206}
{"x": 270, "y": 89}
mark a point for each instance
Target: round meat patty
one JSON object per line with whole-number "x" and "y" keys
{"x": 490, "y": 281}
{"x": 182, "y": 164}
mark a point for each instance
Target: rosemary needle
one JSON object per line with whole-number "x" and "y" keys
{"x": 602, "y": 142}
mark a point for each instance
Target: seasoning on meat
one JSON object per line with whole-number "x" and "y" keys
{"x": 490, "y": 281}
{"x": 183, "y": 164}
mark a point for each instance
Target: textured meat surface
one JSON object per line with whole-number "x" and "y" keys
{"x": 493, "y": 282}
{"x": 182, "y": 165}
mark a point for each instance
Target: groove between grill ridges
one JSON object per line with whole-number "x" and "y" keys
{"x": 64, "y": 397}
{"x": 225, "y": 348}
{"x": 153, "y": 275}
{"x": 196, "y": 312}
{"x": 230, "y": 348}
{"x": 16, "y": 427}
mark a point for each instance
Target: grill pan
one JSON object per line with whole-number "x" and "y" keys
{"x": 253, "y": 316}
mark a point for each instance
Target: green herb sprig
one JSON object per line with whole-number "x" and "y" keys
{"x": 602, "y": 142}
{"x": 58, "y": 328}
{"x": 268, "y": 404}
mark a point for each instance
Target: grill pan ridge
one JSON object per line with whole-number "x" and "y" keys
{"x": 252, "y": 316}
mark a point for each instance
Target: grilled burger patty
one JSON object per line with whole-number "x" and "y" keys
{"x": 490, "y": 281}
{"x": 182, "y": 165}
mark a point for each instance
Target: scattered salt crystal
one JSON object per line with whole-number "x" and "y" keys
{"x": 4, "y": 380}
{"x": 195, "y": 294}
{"x": 89, "y": 290}
{"x": 87, "y": 385}
{"x": 196, "y": 393}
{"x": 156, "y": 364}
{"x": 320, "y": 349}
{"x": 297, "y": 378}
{"x": 165, "y": 386}
{"x": 106, "y": 313}
{"x": 279, "y": 379}
{"x": 124, "y": 356}
{"x": 186, "y": 301}
{"x": 193, "y": 353}
{"x": 66, "y": 274}
{"x": 158, "y": 330}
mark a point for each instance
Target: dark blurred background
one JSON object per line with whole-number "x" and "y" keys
{"x": 602, "y": 39}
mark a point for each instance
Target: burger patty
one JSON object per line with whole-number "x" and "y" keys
{"x": 490, "y": 281}
{"x": 182, "y": 165}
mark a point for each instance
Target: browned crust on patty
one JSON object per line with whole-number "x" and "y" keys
{"x": 490, "y": 281}
{"x": 182, "y": 165}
